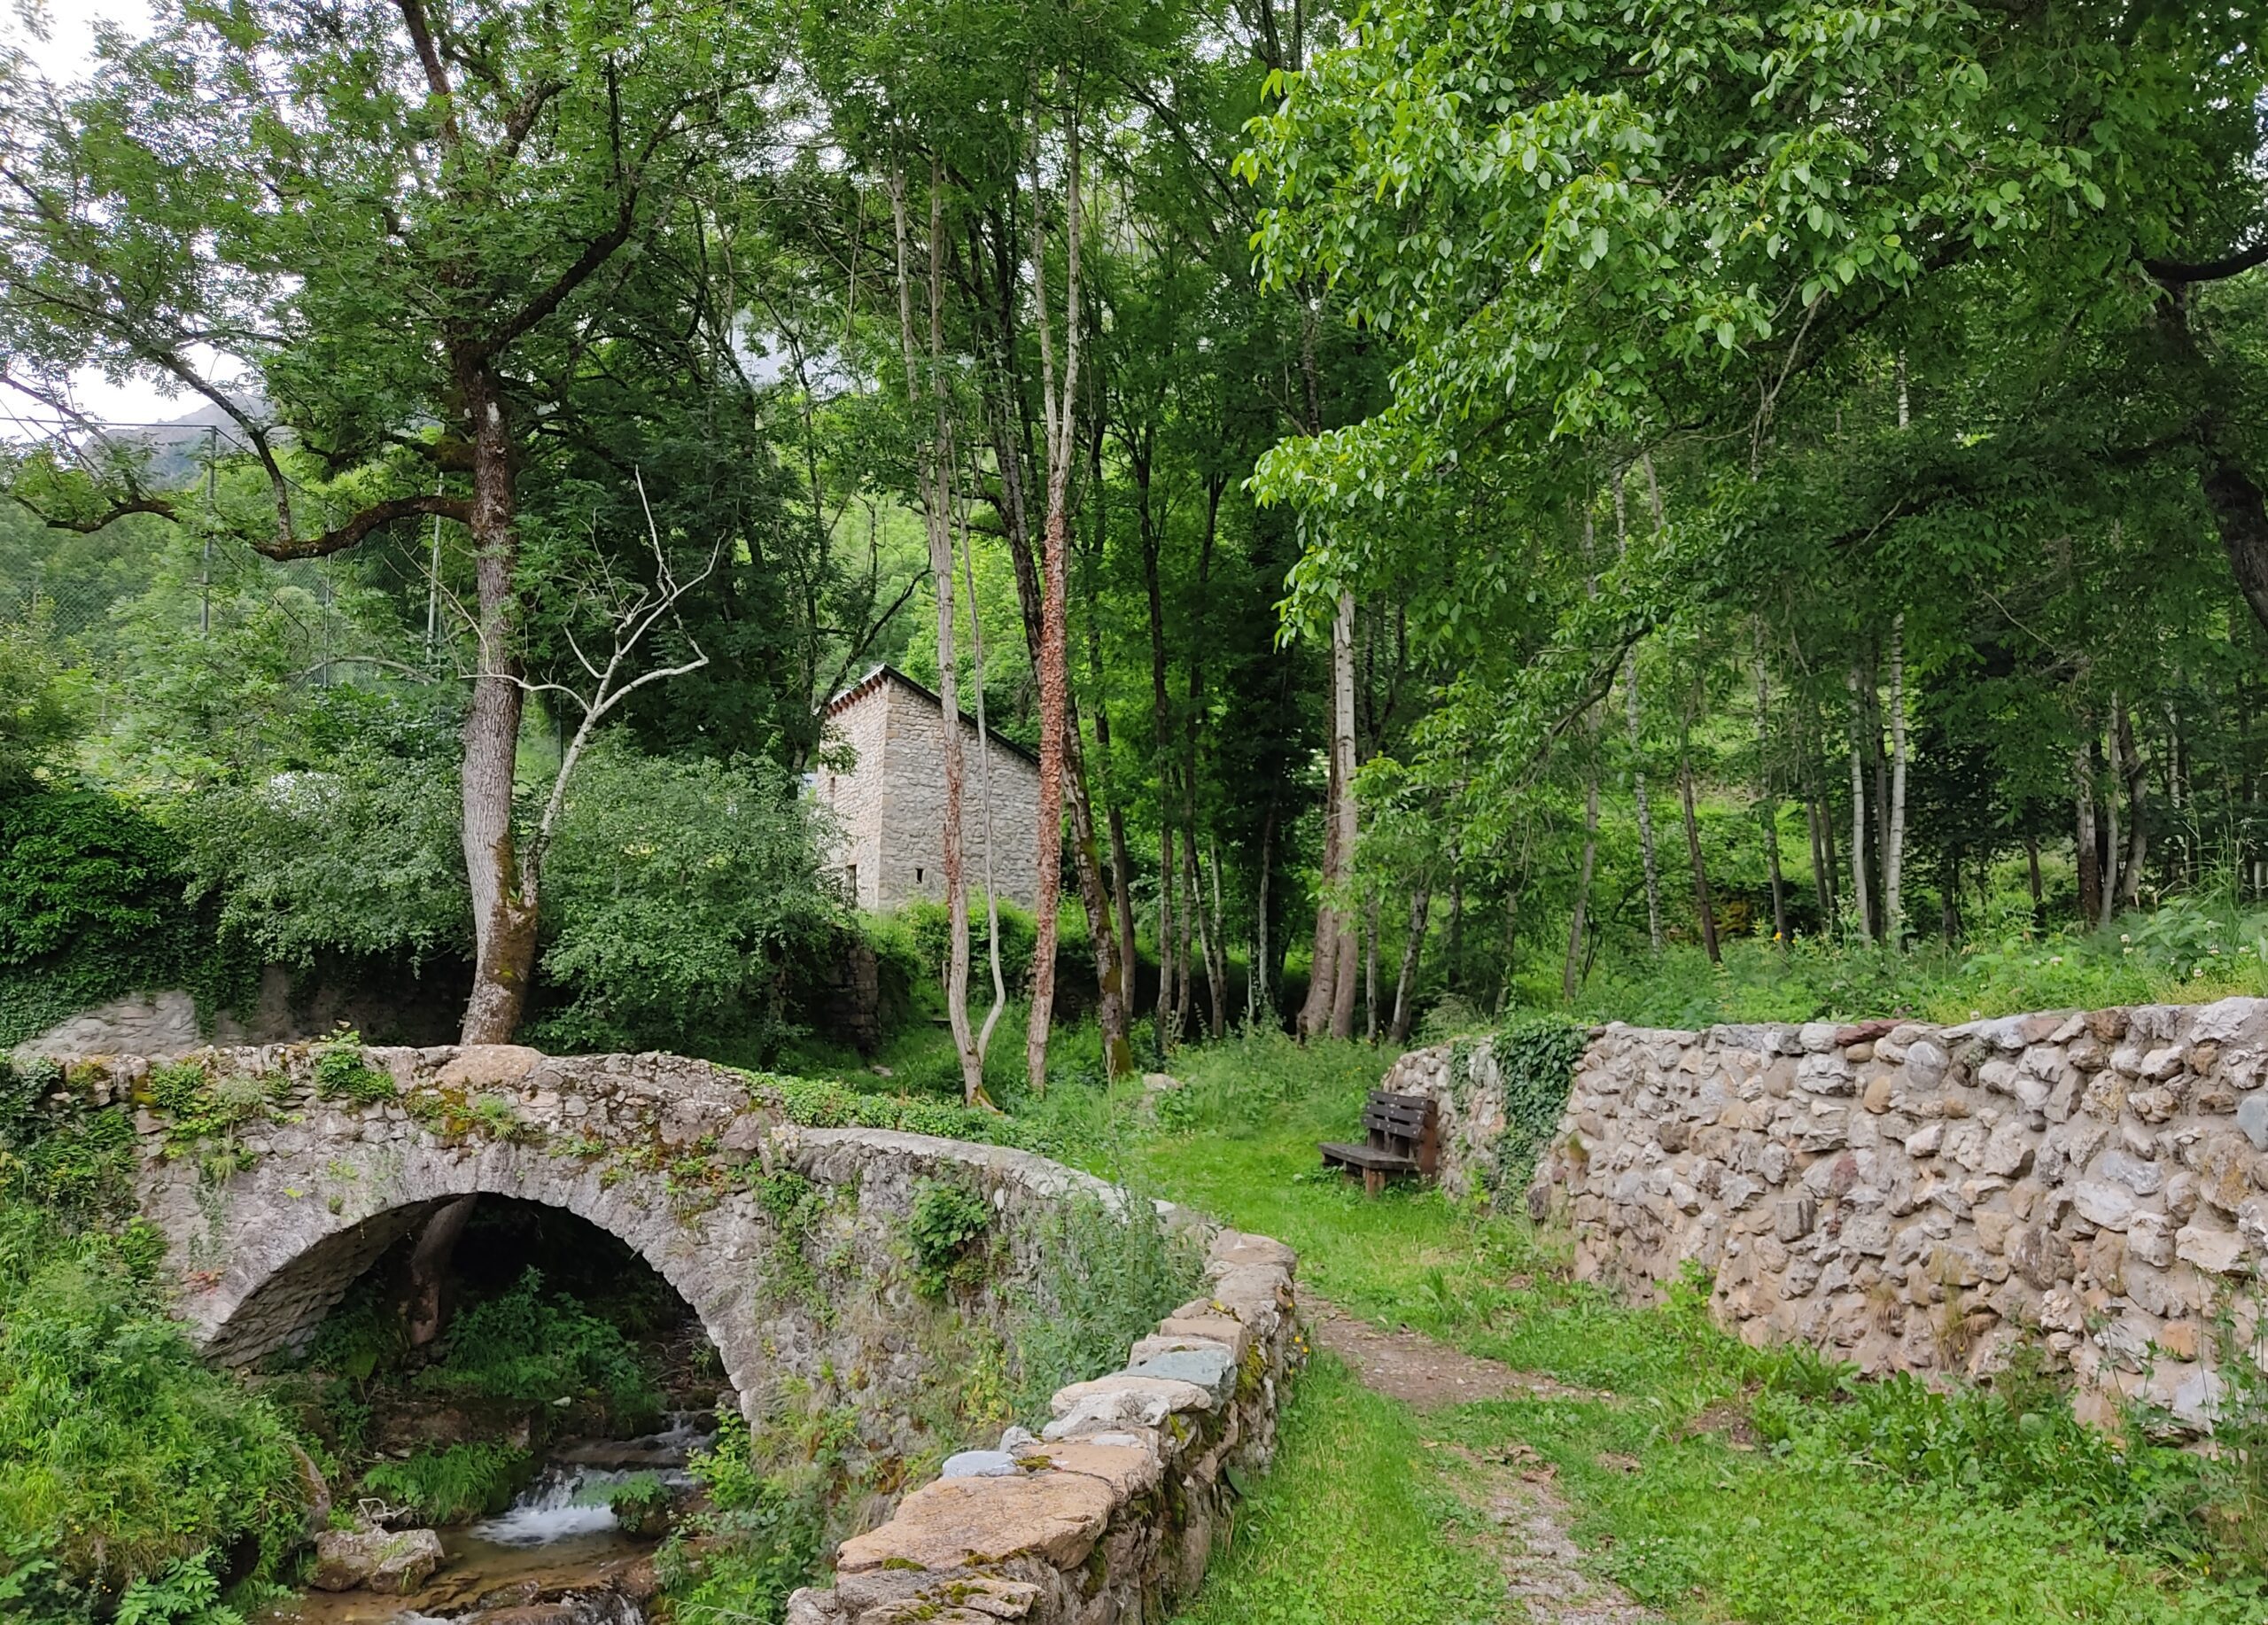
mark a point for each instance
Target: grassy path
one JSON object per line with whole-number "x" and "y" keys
{"x": 1705, "y": 1481}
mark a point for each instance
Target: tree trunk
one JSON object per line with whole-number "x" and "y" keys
{"x": 1314, "y": 1011}
{"x": 2113, "y": 882}
{"x": 2085, "y": 855}
{"x": 1704, "y": 905}
{"x": 2038, "y": 897}
{"x": 1863, "y": 904}
{"x": 2138, "y": 808}
{"x": 1645, "y": 808}
{"x": 1371, "y": 969}
{"x": 1572, "y": 968}
{"x": 1217, "y": 949}
{"x": 1342, "y": 752}
{"x": 1894, "y": 860}
{"x": 1770, "y": 804}
{"x": 1453, "y": 944}
{"x": 504, "y": 891}
{"x": 1260, "y": 985}
{"x": 1054, "y": 715}
{"x": 1413, "y": 945}
{"x": 429, "y": 1269}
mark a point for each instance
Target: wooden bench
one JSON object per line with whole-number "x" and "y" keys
{"x": 1403, "y": 1138}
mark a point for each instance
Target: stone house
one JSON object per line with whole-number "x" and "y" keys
{"x": 889, "y": 804}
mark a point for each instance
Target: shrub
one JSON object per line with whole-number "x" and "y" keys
{"x": 760, "y": 1537}
{"x": 121, "y": 1457}
{"x": 680, "y": 897}
{"x": 91, "y": 907}
{"x": 343, "y": 1073}
{"x": 454, "y": 1485}
{"x": 1106, "y": 1277}
{"x": 947, "y": 1220}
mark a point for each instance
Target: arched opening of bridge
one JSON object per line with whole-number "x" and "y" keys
{"x": 543, "y": 1431}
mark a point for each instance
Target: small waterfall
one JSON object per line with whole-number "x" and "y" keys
{"x": 569, "y": 1497}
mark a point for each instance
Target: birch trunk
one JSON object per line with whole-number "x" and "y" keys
{"x": 1413, "y": 945}
{"x": 1893, "y": 858}
{"x": 2086, "y": 854}
{"x": 1863, "y": 904}
{"x": 1342, "y": 754}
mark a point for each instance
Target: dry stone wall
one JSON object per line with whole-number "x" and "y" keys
{"x": 1108, "y": 1516}
{"x": 1922, "y": 1198}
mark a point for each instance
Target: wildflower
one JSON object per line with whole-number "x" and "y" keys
{"x": 2054, "y": 959}
{"x": 2122, "y": 937}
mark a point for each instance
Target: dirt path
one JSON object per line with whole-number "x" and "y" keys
{"x": 1513, "y": 1488}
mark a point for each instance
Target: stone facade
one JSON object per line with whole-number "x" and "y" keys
{"x": 1922, "y": 1198}
{"x": 890, "y": 806}
{"x": 1107, "y": 1518}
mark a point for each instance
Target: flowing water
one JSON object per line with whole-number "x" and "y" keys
{"x": 558, "y": 1543}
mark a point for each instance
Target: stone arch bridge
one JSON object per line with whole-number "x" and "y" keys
{"x": 278, "y": 1174}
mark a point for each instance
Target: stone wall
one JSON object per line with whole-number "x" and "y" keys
{"x": 1923, "y": 1198}
{"x": 1108, "y": 1517}
{"x": 163, "y": 1023}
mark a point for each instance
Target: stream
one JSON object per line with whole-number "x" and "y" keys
{"x": 556, "y": 1556}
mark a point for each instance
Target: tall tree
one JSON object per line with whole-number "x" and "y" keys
{"x": 397, "y": 342}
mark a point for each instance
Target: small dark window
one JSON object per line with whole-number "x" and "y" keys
{"x": 917, "y": 873}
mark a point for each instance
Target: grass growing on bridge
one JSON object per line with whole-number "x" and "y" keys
{"x": 1715, "y": 1482}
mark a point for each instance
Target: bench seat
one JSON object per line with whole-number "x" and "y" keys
{"x": 1403, "y": 1138}
{"x": 1368, "y": 1156}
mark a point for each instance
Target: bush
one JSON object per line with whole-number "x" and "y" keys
{"x": 1106, "y": 1277}
{"x": 737, "y": 1562}
{"x": 122, "y": 1458}
{"x": 681, "y": 898}
{"x": 91, "y": 907}
{"x": 947, "y": 1220}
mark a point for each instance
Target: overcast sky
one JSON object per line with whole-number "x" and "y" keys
{"x": 67, "y": 52}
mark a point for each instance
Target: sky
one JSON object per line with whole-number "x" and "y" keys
{"x": 67, "y": 52}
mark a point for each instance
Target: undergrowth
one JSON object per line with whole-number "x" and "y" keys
{"x": 453, "y": 1485}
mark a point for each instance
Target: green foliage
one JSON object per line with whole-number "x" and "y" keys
{"x": 758, "y": 1539}
{"x": 930, "y": 925}
{"x": 1108, "y": 1274}
{"x": 37, "y": 712}
{"x": 122, "y": 1458}
{"x": 343, "y": 1073}
{"x": 91, "y": 908}
{"x": 73, "y": 1162}
{"x": 187, "y": 1593}
{"x": 355, "y": 853}
{"x": 639, "y": 1501}
{"x": 819, "y": 1103}
{"x": 794, "y": 1204}
{"x": 682, "y": 899}
{"x": 454, "y": 1485}
{"x": 2186, "y": 951}
{"x": 1535, "y": 1058}
{"x": 531, "y": 1347}
{"x": 948, "y": 1220}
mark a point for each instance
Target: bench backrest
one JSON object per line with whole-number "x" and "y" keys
{"x": 1403, "y": 1125}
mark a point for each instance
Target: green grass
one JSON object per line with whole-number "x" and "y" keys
{"x": 1353, "y": 1525}
{"x": 1856, "y": 1504}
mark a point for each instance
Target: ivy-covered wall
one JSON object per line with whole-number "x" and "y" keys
{"x": 1498, "y": 1096}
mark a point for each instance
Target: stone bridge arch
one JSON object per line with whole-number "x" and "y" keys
{"x": 784, "y": 1241}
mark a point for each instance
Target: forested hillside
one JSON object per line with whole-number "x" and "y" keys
{"x": 1507, "y": 505}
